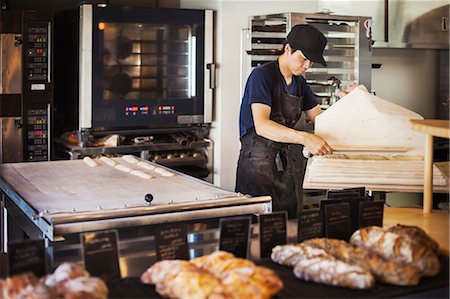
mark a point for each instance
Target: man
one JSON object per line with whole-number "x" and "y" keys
{"x": 274, "y": 98}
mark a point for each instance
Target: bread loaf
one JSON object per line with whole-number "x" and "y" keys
{"x": 398, "y": 248}
{"x": 251, "y": 282}
{"x": 181, "y": 279}
{"x": 62, "y": 274}
{"x": 416, "y": 234}
{"x": 383, "y": 270}
{"x": 36, "y": 291}
{"x": 214, "y": 276}
{"x": 290, "y": 254}
{"x": 12, "y": 286}
{"x": 333, "y": 272}
{"x": 85, "y": 287}
{"x": 220, "y": 261}
{"x": 158, "y": 271}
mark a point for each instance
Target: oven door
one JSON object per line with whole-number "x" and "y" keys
{"x": 148, "y": 69}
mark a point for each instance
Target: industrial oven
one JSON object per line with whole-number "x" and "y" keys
{"x": 26, "y": 85}
{"x": 146, "y": 74}
{"x": 122, "y": 70}
{"x": 59, "y": 200}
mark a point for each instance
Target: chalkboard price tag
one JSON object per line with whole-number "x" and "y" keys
{"x": 346, "y": 193}
{"x": 27, "y": 256}
{"x": 101, "y": 255}
{"x": 371, "y": 213}
{"x": 235, "y": 235}
{"x": 337, "y": 221}
{"x": 171, "y": 242}
{"x": 310, "y": 225}
{"x": 272, "y": 232}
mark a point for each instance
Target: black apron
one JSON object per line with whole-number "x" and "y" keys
{"x": 266, "y": 167}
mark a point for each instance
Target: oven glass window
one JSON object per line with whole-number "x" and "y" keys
{"x": 148, "y": 61}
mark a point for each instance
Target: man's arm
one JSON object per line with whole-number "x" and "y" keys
{"x": 313, "y": 112}
{"x": 269, "y": 129}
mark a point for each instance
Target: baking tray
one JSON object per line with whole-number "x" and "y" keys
{"x": 431, "y": 287}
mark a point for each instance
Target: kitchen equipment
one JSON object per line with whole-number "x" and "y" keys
{"x": 348, "y": 51}
{"x": 26, "y": 86}
{"x": 133, "y": 70}
{"x": 383, "y": 152}
{"x": 59, "y": 200}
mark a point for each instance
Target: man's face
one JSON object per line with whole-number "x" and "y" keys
{"x": 298, "y": 64}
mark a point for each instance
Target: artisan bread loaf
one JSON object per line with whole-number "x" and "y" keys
{"x": 290, "y": 254}
{"x": 85, "y": 287}
{"x": 220, "y": 261}
{"x": 251, "y": 282}
{"x": 333, "y": 272}
{"x": 12, "y": 286}
{"x": 416, "y": 234}
{"x": 158, "y": 271}
{"x": 385, "y": 271}
{"x": 62, "y": 274}
{"x": 398, "y": 248}
{"x": 181, "y": 279}
{"x": 217, "y": 275}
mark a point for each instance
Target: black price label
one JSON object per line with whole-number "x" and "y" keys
{"x": 27, "y": 256}
{"x": 310, "y": 225}
{"x": 272, "y": 232}
{"x": 371, "y": 213}
{"x": 234, "y": 235}
{"x": 100, "y": 253}
{"x": 337, "y": 221}
{"x": 346, "y": 193}
{"x": 171, "y": 242}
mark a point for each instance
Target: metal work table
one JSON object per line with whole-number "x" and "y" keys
{"x": 59, "y": 200}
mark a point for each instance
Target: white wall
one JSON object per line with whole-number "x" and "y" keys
{"x": 408, "y": 78}
{"x": 230, "y": 18}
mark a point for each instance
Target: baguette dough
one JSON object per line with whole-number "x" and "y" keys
{"x": 130, "y": 159}
{"x": 108, "y": 161}
{"x": 146, "y": 165}
{"x": 90, "y": 162}
{"x": 164, "y": 172}
{"x": 122, "y": 168}
{"x": 141, "y": 174}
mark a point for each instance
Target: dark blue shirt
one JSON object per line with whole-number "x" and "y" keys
{"x": 260, "y": 88}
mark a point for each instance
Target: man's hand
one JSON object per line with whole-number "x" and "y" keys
{"x": 347, "y": 91}
{"x": 317, "y": 146}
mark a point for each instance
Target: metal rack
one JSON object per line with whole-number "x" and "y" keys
{"x": 348, "y": 52}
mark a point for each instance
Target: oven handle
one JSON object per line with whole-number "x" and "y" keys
{"x": 212, "y": 75}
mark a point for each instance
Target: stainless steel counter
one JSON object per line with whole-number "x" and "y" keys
{"x": 59, "y": 200}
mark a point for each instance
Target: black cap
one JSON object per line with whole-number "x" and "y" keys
{"x": 309, "y": 40}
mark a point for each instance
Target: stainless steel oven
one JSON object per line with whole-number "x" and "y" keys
{"x": 124, "y": 69}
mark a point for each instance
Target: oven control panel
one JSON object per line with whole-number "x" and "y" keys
{"x": 37, "y": 54}
{"x": 37, "y": 128}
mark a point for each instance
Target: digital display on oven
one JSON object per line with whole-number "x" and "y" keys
{"x": 145, "y": 110}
